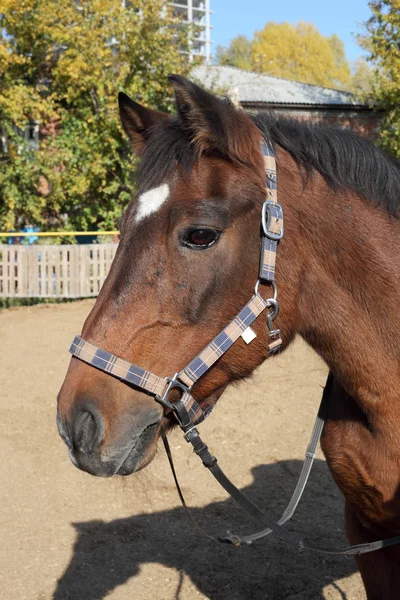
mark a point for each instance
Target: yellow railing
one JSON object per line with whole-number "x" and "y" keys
{"x": 54, "y": 233}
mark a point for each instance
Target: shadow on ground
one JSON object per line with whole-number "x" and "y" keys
{"x": 106, "y": 555}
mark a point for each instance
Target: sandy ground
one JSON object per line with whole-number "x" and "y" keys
{"x": 67, "y": 535}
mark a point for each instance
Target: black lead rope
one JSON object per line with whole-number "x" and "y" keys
{"x": 209, "y": 461}
{"x": 180, "y": 493}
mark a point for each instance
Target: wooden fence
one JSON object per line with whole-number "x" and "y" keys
{"x": 70, "y": 271}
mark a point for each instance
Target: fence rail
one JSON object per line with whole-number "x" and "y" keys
{"x": 70, "y": 271}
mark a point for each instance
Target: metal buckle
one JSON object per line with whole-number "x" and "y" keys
{"x": 186, "y": 435}
{"x": 266, "y": 219}
{"x": 177, "y": 407}
{"x": 173, "y": 383}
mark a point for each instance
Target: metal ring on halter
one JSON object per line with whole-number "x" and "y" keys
{"x": 274, "y": 287}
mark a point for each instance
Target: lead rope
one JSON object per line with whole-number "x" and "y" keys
{"x": 209, "y": 461}
{"x": 237, "y": 540}
{"x": 179, "y": 490}
{"x": 303, "y": 477}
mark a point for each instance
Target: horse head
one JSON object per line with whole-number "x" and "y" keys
{"x": 187, "y": 262}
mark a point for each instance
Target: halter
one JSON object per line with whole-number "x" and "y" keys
{"x": 189, "y": 413}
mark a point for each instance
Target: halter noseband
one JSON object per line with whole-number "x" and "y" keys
{"x": 189, "y": 413}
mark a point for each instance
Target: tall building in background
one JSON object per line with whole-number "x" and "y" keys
{"x": 197, "y": 12}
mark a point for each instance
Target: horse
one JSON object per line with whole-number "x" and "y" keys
{"x": 187, "y": 262}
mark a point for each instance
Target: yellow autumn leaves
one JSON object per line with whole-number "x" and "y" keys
{"x": 299, "y": 52}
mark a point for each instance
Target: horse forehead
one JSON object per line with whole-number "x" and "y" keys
{"x": 150, "y": 201}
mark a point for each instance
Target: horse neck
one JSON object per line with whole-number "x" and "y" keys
{"x": 346, "y": 277}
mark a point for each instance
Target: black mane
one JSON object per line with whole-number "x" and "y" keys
{"x": 167, "y": 146}
{"x": 344, "y": 159}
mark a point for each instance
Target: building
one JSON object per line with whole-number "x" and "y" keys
{"x": 197, "y": 12}
{"x": 258, "y": 91}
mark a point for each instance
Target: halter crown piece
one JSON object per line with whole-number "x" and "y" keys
{"x": 189, "y": 413}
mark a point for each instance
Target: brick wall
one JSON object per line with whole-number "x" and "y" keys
{"x": 363, "y": 121}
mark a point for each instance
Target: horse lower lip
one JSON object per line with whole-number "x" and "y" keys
{"x": 130, "y": 463}
{"x": 134, "y": 462}
{"x": 136, "y": 458}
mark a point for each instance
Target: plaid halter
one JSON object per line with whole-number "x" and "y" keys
{"x": 187, "y": 411}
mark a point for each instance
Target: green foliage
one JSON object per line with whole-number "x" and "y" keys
{"x": 382, "y": 40}
{"x": 238, "y": 53}
{"x": 62, "y": 64}
{"x": 16, "y": 302}
{"x": 362, "y": 79}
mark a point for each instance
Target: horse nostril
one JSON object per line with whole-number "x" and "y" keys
{"x": 88, "y": 431}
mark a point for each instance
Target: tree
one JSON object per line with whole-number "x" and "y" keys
{"x": 301, "y": 53}
{"x": 382, "y": 41}
{"x": 237, "y": 54}
{"x": 62, "y": 64}
{"x": 362, "y": 79}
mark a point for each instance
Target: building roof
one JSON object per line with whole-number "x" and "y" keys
{"x": 258, "y": 88}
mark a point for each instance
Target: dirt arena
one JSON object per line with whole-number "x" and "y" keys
{"x": 68, "y": 536}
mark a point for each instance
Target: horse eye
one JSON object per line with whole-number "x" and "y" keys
{"x": 200, "y": 238}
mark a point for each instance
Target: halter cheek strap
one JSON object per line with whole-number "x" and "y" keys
{"x": 272, "y": 218}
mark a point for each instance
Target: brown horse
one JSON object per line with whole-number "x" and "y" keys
{"x": 187, "y": 263}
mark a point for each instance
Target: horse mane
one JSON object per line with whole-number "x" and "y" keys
{"x": 344, "y": 158}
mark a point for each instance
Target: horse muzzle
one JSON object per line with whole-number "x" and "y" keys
{"x": 128, "y": 447}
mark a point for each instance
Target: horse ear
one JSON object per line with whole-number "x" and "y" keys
{"x": 213, "y": 123}
{"x": 137, "y": 120}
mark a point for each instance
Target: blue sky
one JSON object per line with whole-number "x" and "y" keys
{"x": 234, "y": 17}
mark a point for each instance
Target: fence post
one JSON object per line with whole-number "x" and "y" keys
{"x": 82, "y": 271}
